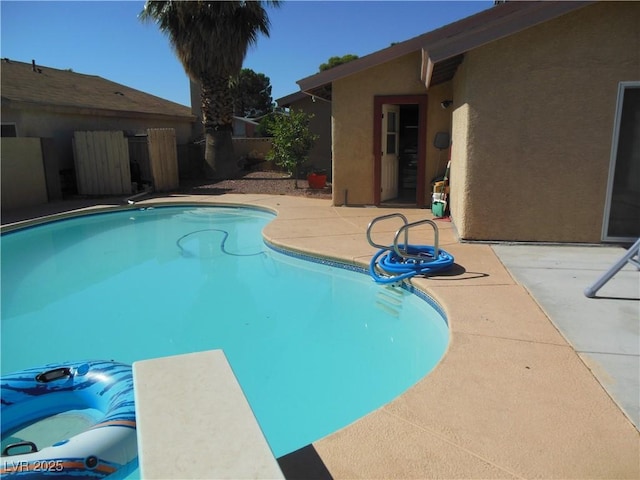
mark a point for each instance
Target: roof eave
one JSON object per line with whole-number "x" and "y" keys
{"x": 451, "y": 40}
{"x": 318, "y": 80}
{"x": 291, "y": 98}
{"x": 502, "y": 27}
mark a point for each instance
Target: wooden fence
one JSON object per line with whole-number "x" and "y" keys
{"x": 103, "y": 167}
{"x": 163, "y": 158}
{"x": 102, "y": 163}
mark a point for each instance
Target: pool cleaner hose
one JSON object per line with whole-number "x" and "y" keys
{"x": 387, "y": 266}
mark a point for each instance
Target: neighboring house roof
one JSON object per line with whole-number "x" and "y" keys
{"x": 64, "y": 90}
{"x": 243, "y": 126}
{"x": 442, "y": 49}
{"x": 287, "y": 100}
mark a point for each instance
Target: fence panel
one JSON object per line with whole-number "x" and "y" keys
{"x": 163, "y": 158}
{"x": 23, "y": 176}
{"x": 102, "y": 163}
{"x": 252, "y": 152}
{"x": 254, "y": 148}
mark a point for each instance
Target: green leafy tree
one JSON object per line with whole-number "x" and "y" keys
{"x": 335, "y": 61}
{"x": 292, "y": 140}
{"x": 264, "y": 124}
{"x": 211, "y": 40}
{"x": 325, "y": 92}
{"x": 252, "y": 94}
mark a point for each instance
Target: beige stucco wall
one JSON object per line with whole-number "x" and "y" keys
{"x": 352, "y": 133}
{"x": 533, "y": 121}
{"x": 438, "y": 120}
{"x": 320, "y": 124}
{"x": 23, "y": 180}
{"x": 352, "y": 125}
{"x": 254, "y": 148}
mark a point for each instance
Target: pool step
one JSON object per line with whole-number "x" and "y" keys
{"x": 390, "y": 300}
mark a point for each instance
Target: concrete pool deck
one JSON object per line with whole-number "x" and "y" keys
{"x": 512, "y": 398}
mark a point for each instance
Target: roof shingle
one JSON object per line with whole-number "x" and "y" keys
{"x": 49, "y": 87}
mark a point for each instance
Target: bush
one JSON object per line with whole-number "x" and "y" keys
{"x": 292, "y": 140}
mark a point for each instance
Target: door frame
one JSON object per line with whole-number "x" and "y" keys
{"x": 422, "y": 102}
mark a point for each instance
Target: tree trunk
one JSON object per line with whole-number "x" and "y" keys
{"x": 217, "y": 119}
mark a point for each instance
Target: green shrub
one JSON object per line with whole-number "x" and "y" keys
{"x": 291, "y": 141}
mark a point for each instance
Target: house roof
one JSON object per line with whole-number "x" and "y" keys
{"x": 443, "y": 49}
{"x": 291, "y": 98}
{"x": 44, "y": 87}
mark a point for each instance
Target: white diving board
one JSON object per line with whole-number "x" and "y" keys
{"x": 193, "y": 421}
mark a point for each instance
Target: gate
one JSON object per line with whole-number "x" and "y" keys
{"x": 102, "y": 163}
{"x": 163, "y": 158}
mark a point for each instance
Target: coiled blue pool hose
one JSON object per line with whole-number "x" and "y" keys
{"x": 398, "y": 268}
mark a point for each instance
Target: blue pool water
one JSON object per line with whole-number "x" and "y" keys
{"x": 313, "y": 346}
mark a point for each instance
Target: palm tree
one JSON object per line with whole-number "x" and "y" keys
{"x": 211, "y": 40}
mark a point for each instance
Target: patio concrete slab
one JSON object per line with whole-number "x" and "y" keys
{"x": 505, "y": 311}
{"x": 304, "y": 228}
{"x": 474, "y": 265}
{"x": 476, "y": 399}
{"x": 604, "y": 330}
{"x": 604, "y": 325}
{"x": 618, "y": 375}
{"x": 384, "y": 230}
{"x": 362, "y": 452}
{"x": 347, "y": 248}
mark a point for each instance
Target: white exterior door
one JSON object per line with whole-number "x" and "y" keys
{"x": 390, "y": 149}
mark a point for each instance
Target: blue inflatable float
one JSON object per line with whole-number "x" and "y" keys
{"x": 106, "y": 447}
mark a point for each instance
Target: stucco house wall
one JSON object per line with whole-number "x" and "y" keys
{"x": 533, "y": 120}
{"x": 352, "y": 127}
{"x": 438, "y": 120}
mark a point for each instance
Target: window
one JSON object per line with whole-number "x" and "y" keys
{"x": 622, "y": 207}
{"x": 9, "y": 130}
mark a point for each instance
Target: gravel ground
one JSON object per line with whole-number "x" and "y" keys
{"x": 267, "y": 182}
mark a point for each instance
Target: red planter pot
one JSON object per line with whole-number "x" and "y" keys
{"x": 317, "y": 181}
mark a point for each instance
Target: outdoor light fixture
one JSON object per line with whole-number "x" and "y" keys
{"x": 446, "y": 103}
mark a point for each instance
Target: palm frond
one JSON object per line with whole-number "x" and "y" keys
{"x": 209, "y": 37}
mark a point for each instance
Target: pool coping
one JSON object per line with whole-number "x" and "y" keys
{"x": 510, "y": 398}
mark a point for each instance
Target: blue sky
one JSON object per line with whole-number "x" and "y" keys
{"x": 106, "y": 38}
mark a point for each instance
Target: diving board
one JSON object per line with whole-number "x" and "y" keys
{"x": 193, "y": 421}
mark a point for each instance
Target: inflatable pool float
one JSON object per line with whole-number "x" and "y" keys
{"x": 106, "y": 447}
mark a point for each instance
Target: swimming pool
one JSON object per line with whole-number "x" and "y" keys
{"x": 313, "y": 346}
